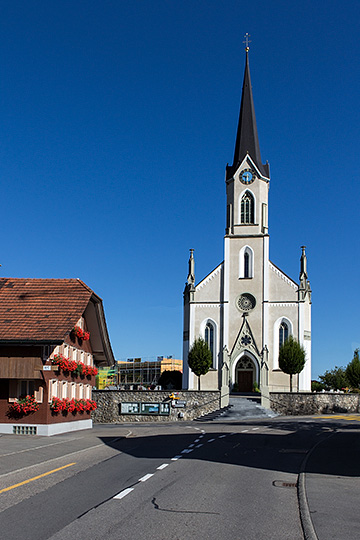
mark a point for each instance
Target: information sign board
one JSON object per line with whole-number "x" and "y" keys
{"x": 148, "y": 408}
{"x": 129, "y": 408}
{"x": 165, "y": 408}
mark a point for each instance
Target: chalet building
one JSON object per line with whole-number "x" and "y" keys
{"x": 53, "y": 338}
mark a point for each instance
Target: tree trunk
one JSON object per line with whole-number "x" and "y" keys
{"x": 199, "y": 382}
{"x": 290, "y": 383}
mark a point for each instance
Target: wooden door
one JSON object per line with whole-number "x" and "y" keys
{"x": 245, "y": 381}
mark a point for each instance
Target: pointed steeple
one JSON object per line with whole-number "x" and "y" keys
{"x": 247, "y": 140}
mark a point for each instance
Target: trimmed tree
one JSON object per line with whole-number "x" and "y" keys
{"x": 199, "y": 358}
{"x": 291, "y": 358}
{"x": 353, "y": 370}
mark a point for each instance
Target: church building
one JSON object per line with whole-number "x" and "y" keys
{"x": 247, "y": 307}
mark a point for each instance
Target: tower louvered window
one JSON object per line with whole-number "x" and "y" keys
{"x": 247, "y": 208}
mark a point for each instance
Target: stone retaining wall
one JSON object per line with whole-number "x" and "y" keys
{"x": 108, "y": 405}
{"x": 304, "y": 403}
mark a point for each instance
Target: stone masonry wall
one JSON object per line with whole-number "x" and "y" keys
{"x": 304, "y": 403}
{"x": 108, "y": 405}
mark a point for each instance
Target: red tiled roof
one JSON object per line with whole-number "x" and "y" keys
{"x": 41, "y": 309}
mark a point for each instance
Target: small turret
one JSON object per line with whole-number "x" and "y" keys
{"x": 304, "y": 288}
{"x": 191, "y": 274}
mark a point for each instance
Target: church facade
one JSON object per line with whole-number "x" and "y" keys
{"x": 246, "y": 307}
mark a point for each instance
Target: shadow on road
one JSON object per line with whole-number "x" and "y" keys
{"x": 281, "y": 448}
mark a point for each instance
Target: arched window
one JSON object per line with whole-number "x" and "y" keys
{"x": 247, "y": 208}
{"x": 209, "y": 337}
{"x": 283, "y": 328}
{"x": 283, "y": 333}
{"x": 246, "y": 263}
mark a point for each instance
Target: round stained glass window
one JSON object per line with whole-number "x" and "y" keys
{"x": 245, "y": 302}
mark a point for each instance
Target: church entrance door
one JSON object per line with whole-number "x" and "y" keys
{"x": 245, "y": 381}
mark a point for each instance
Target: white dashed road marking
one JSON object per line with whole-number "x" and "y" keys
{"x": 123, "y": 493}
{"x": 146, "y": 477}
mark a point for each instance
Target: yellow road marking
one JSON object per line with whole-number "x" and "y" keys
{"x": 36, "y": 477}
{"x": 339, "y": 417}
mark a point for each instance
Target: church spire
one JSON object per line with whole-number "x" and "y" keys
{"x": 247, "y": 141}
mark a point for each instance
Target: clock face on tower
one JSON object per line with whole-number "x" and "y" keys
{"x": 247, "y": 176}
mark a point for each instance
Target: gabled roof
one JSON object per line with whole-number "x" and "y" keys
{"x": 40, "y": 309}
{"x": 46, "y": 310}
{"x": 247, "y": 140}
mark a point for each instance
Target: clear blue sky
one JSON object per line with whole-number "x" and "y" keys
{"x": 117, "y": 121}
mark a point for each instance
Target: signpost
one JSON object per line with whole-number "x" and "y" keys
{"x": 178, "y": 403}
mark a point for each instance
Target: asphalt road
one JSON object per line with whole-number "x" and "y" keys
{"x": 174, "y": 482}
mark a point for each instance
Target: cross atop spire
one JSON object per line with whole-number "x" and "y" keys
{"x": 247, "y": 41}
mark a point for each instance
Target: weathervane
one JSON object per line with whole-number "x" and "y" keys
{"x": 247, "y": 41}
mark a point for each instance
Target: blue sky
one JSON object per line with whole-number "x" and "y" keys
{"x": 117, "y": 121}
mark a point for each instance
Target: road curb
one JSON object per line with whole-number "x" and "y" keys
{"x": 306, "y": 521}
{"x": 305, "y": 516}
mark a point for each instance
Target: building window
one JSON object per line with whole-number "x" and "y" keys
{"x": 283, "y": 328}
{"x": 53, "y": 389}
{"x": 27, "y": 388}
{"x": 21, "y": 389}
{"x": 88, "y": 391}
{"x": 246, "y": 263}
{"x": 79, "y": 391}
{"x": 209, "y": 336}
{"x": 247, "y": 209}
{"x": 283, "y": 333}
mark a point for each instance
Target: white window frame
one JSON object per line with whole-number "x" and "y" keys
{"x": 80, "y": 391}
{"x": 87, "y": 391}
{"x": 53, "y": 389}
{"x": 72, "y": 390}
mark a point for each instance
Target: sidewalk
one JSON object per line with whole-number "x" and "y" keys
{"x": 330, "y": 487}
